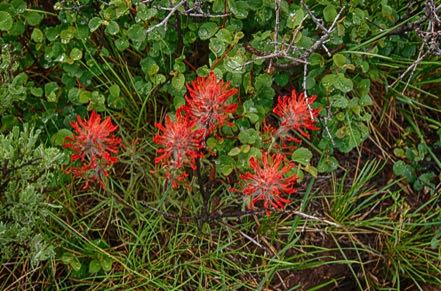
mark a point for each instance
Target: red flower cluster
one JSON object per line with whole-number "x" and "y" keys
{"x": 206, "y": 102}
{"x": 182, "y": 140}
{"x": 267, "y": 182}
{"x": 181, "y": 146}
{"x": 93, "y": 145}
{"x": 295, "y": 114}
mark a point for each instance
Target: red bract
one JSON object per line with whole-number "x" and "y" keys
{"x": 206, "y": 102}
{"x": 268, "y": 182}
{"x": 181, "y": 144}
{"x": 295, "y": 114}
{"x": 94, "y": 145}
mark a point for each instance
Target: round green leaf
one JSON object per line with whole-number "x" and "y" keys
{"x": 329, "y": 13}
{"x": 302, "y": 156}
{"x": 106, "y": 264}
{"x": 207, "y": 30}
{"x": 94, "y": 266}
{"x": 178, "y": 81}
{"x": 114, "y": 90}
{"x": 76, "y": 54}
{"x": 234, "y": 152}
{"x": 339, "y": 101}
{"x": 37, "y": 91}
{"x": 50, "y": 91}
{"x": 5, "y": 21}
{"x": 136, "y": 33}
{"x": 239, "y": 8}
{"x": 59, "y": 137}
{"x": 37, "y": 35}
{"x": 122, "y": 44}
{"x": 33, "y": 18}
{"x": 225, "y": 165}
{"x": 339, "y": 60}
{"x": 327, "y": 164}
{"x": 112, "y": 28}
{"x": 343, "y": 84}
{"x": 217, "y": 46}
{"x": 94, "y": 23}
{"x": 402, "y": 169}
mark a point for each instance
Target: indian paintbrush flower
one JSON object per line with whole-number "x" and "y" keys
{"x": 206, "y": 102}
{"x": 94, "y": 146}
{"x": 268, "y": 181}
{"x": 295, "y": 114}
{"x": 181, "y": 144}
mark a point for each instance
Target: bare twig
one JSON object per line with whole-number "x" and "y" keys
{"x": 276, "y": 32}
{"x": 165, "y": 20}
{"x": 239, "y": 214}
{"x": 322, "y": 40}
{"x": 317, "y": 21}
{"x": 430, "y": 37}
{"x": 197, "y": 12}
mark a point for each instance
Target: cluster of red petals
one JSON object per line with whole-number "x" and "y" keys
{"x": 206, "y": 102}
{"x": 268, "y": 182}
{"x": 181, "y": 145}
{"x": 296, "y": 114}
{"x": 94, "y": 146}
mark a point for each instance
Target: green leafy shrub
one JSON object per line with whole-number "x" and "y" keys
{"x": 27, "y": 172}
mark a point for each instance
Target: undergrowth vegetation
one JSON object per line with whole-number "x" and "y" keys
{"x": 220, "y": 144}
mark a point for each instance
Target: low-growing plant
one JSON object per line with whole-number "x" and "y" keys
{"x": 184, "y": 143}
{"x": 94, "y": 146}
{"x": 28, "y": 171}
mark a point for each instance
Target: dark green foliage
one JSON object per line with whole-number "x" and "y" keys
{"x": 375, "y": 73}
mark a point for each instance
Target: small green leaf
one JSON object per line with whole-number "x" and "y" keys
{"x": 217, "y": 46}
{"x": 136, "y": 33}
{"x": 122, "y": 44}
{"x": 106, "y": 264}
{"x": 85, "y": 97}
{"x": 339, "y": 101}
{"x": 339, "y": 60}
{"x": 37, "y": 35}
{"x": 328, "y": 81}
{"x": 50, "y": 91}
{"x": 5, "y": 21}
{"x": 343, "y": 84}
{"x": 211, "y": 143}
{"x": 37, "y": 91}
{"x": 115, "y": 100}
{"x": 327, "y": 164}
{"x": 402, "y": 169}
{"x": 59, "y": 137}
{"x": 329, "y": 13}
{"x": 239, "y": 8}
{"x": 234, "y": 152}
{"x": 145, "y": 14}
{"x": 94, "y": 266}
{"x": 33, "y": 18}
{"x": 226, "y": 165}
{"x": 302, "y": 156}
{"x": 76, "y": 54}
{"x": 114, "y": 90}
{"x": 316, "y": 60}
{"x": 295, "y": 19}
{"x": 94, "y": 23}
{"x": 365, "y": 100}
{"x": 248, "y": 136}
{"x": 311, "y": 170}
{"x": 207, "y": 30}
{"x": 178, "y": 81}
{"x": 112, "y": 28}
